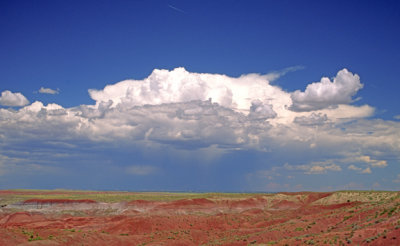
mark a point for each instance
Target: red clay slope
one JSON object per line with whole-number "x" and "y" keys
{"x": 251, "y": 221}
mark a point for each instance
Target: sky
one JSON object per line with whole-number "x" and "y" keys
{"x": 221, "y": 96}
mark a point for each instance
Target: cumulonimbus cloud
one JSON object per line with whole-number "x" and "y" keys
{"x": 196, "y": 111}
{"x": 9, "y": 98}
{"x": 186, "y": 109}
{"x": 179, "y": 85}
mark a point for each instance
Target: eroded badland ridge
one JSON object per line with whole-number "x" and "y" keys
{"x": 29, "y": 217}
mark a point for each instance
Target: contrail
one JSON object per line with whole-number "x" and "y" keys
{"x": 177, "y": 9}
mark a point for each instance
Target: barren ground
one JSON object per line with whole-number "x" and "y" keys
{"x": 29, "y": 217}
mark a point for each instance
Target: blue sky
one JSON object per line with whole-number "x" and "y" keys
{"x": 303, "y": 95}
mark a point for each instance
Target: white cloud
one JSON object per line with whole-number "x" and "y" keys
{"x": 250, "y": 94}
{"x": 360, "y": 170}
{"x": 312, "y": 120}
{"x": 141, "y": 170}
{"x": 323, "y": 169}
{"x": 276, "y": 74}
{"x": 327, "y": 93}
{"x": 333, "y": 167}
{"x": 172, "y": 108}
{"x": 48, "y": 91}
{"x": 162, "y": 109}
{"x": 366, "y": 170}
{"x": 352, "y": 167}
{"x": 372, "y": 162}
{"x": 260, "y": 111}
{"x": 314, "y": 167}
{"x": 397, "y": 117}
{"x": 179, "y": 85}
{"x": 364, "y": 160}
{"x": 9, "y": 98}
{"x": 194, "y": 124}
{"x": 344, "y": 112}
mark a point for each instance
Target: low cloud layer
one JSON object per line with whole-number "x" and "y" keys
{"x": 314, "y": 167}
{"x": 16, "y": 99}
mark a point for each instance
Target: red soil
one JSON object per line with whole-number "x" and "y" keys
{"x": 284, "y": 204}
{"x": 20, "y": 218}
{"x": 187, "y": 203}
{"x": 211, "y": 222}
{"x": 140, "y": 203}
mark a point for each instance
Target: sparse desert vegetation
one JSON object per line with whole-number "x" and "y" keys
{"x": 155, "y": 218}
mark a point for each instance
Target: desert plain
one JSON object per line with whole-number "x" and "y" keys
{"x": 64, "y": 217}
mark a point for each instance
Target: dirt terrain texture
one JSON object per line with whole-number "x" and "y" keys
{"x": 30, "y": 217}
